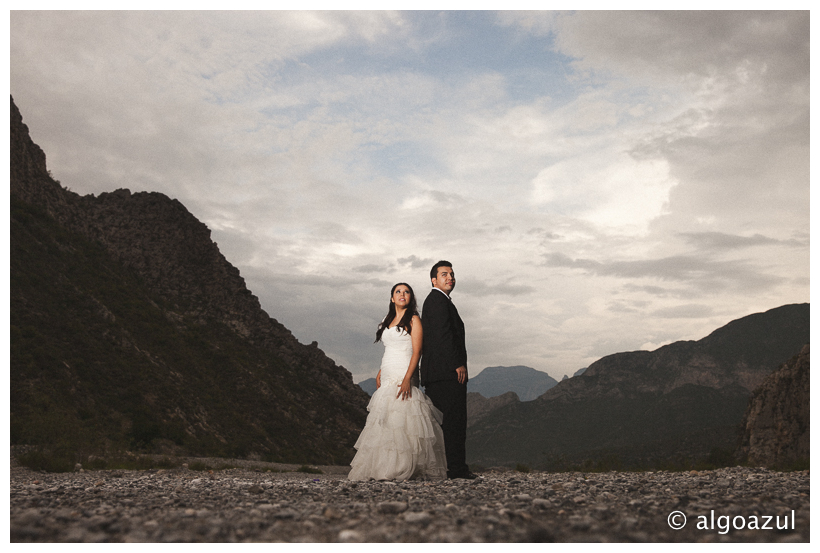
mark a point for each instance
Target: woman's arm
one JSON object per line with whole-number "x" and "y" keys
{"x": 417, "y": 337}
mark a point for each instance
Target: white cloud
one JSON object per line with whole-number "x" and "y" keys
{"x": 661, "y": 165}
{"x": 606, "y": 188}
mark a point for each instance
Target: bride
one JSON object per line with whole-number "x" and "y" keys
{"x": 402, "y": 437}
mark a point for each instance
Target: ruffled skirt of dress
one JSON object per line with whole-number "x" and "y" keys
{"x": 401, "y": 439}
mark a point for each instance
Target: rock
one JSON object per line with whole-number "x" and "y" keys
{"x": 776, "y": 423}
{"x": 286, "y": 514}
{"x": 332, "y": 513}
{"x": 350, "y": 536}
{"x": 392, "y": 507}
{"x": 542, "y": 503}
{"x": 540, "y": 534}
{"x": 422, "y": 518}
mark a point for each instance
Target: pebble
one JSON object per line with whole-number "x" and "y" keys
{"x": 542, "y": 503}
{"x": 350, "y": 536}
{"x": 418, "y": 518}
{"x": 392, "y": 507}
{"x": 246, "y": 505}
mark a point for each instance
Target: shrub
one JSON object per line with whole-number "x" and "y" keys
{"x": 56, "y": 460}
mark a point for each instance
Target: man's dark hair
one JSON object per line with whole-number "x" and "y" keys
{"x": 434, "y": 270}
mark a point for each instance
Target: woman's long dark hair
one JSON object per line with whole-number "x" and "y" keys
{"x": 404, "y": 323}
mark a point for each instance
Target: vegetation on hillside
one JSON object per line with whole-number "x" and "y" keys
{"x": 99, "y": 363}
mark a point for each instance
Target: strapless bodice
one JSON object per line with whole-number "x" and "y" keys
{"x": 398, "y": 349}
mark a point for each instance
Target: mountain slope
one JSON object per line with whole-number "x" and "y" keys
{"x": 680, "y": 402}
{"x": 776, "y": 426}
{"x": 479, "y": 407}
{"x": 129, "y": 329}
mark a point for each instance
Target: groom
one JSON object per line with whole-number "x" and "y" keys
{"x": 444, "y": 366}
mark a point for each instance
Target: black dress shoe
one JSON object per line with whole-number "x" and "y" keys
{"x": 464, "y": 475}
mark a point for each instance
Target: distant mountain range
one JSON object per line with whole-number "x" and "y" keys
{"x": 579, "y": 372}
{"x": 526, "y": 382}
{"x": 368, "y": 385}
{"x": 131, "y": 331}
{"x": 678, "y": 404}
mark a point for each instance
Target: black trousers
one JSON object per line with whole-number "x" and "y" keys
{"x": 450, "y": 398}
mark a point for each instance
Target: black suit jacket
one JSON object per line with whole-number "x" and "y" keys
{"x": 443, "y": 349}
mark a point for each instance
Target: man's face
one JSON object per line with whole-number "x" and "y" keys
{"x": 445, "y": 279}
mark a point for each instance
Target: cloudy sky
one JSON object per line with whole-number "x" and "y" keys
{"x": 601, "y": 181}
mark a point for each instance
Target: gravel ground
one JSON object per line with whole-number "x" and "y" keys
{"x": 254, "y": 504}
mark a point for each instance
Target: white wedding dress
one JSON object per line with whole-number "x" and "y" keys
{"x": 401, "y": 439}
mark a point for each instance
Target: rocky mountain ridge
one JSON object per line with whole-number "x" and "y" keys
{"x": 680, "y": 403}
{"x": 479, "y": 407}
{"x": 742, "y": 353}
{"x": 301, "y": 403}
{"x": 777, "y": 421}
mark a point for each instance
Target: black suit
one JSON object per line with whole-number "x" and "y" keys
{"x": 443, "y": 351}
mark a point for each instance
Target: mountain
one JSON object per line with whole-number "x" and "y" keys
{"x": 680, "y": 403}
{"x": 526, "y": 382}
{"x": 368, "y": 385}
{"x": 479, "y": 407}
{"x": 579, "y": 372}
{"x": 130, "y": 330}
{"x": 776, "y": 424}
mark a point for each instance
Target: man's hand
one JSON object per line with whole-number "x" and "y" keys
{"x": 462, "y": 375}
